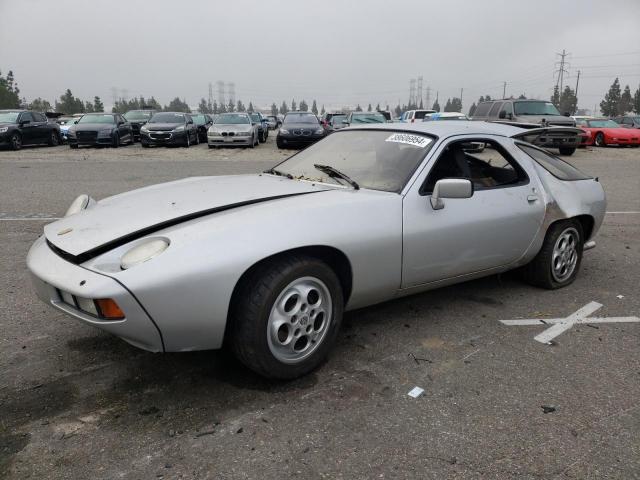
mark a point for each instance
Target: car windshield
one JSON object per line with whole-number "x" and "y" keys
{"x": 375, "y": 159}
{"x": 232, "y": 119}
{"x": 535, "y": 108}
{"x": 199, "y": 119}
{"x": 9, "y": 117}
{"x": 421, "y": 114}
{"x": 300, "y": 118}
{"x": 90, "y": 118}
{"x": 137, "y": 115}
{"x": 255, "y": 117}
{"x": 602, "y": 124}
{"x": 337, "y": 119}
{"x": 167, "y": 118}
{"x": 370, "y": 117}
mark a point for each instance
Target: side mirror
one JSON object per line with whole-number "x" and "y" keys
{"x": 502, "y": 114}
{"x": 190, "y": 122}
{"x": 450, "y": 188}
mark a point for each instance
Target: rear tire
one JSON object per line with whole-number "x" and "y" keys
{"x": 285, "y": 316}
{"x": 568, "y": 151}
{"x": 600, "y": 141}
{"x": 558, "y": 261}
{"x": 279, "y": 144}
{"x": 263, "y": 137}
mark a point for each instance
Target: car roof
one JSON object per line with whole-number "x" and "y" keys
{"x": 446, "y": 128}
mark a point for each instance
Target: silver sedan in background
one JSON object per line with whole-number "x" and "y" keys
{"x": 267, "y": 263}
{"x": 233, "y": 129}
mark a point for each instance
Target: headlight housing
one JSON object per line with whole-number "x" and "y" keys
{"x": 319, "y": 131}
{"x": 105, "y": 133}
{"x": 243, "y": 134}
{"x": 3, "y": 129}
{"x": 179, "y": 129}
{"x": 143, "y": 252}
{"x": 144, "y": 129}
{"x": 284, "y": 131}
{"x": 213, "y": 133}
{"x": 82, "y": 202}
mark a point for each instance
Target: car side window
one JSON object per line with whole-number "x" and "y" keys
{"x": 26, "y": 117}
{"x": 38, "y": 117}
{"x": 555, "y": 166}
{"x": 508, "y": 108}
{"x": 495, "y": 110}
{"x": 486, "y": 163}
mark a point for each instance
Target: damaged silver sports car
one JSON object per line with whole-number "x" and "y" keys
{"x": 267, "y": 263}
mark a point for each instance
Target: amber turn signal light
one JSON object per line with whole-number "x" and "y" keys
{"x": 109, "y": 309}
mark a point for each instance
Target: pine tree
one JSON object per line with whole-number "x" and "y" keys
{"x": 69, "y": 104}
{"x": 274, "y": 109}
{"x": 436, "y": 106}
{"x": 98, "y": 106}
{"x": 240, "y": 107}
{"x": 250, "y": 108}
{"x": 222, "y": 108}
{"x": 8, "y": 98}
{"x": 377, "y": 107}
{"x": 636, "y": 101}
{"x": 369, "y": 108}
{"x": 40, "y": 105}
{"x": 283, "y": 108}
{"x": 421, "y": 105}
{"x": 293, "y": 105}
{"x": 626, "y": 101}
{"x": 203, "y": 107}
{"x": 456, "y": 105}
{"x": 398, "y": 111}
{"x": 472, "y": 109}
{"x": 314, "y": 108}
{"x": 568, "y": 101}
{"x": 358, "y": 108}
{"x": 555, "y": 98}
{"x": 230, "y": 106}
{"x": 609, "y": 106}
{"x": 214, "y": 107}
{"x": 447, "y": 106}
{"x": 88, "y": 107}
{"x": 522, "y": 97}
{"x": 322, "y": 111}
{"x": 303, "y": 106}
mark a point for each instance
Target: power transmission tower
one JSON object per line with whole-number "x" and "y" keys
{"x": 210, "y": 94}
{"x": 561, "y": 70}
{"x": 419, "y": 98}
{"x": 428, "y": 104}
{"x": 220, "y": 85}
{"x": 412, "y": 92}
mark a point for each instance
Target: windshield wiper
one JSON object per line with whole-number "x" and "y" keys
{"x": 334, "y": 172}
{"x": 273, "y": 171}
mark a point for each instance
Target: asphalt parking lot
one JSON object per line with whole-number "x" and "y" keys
{"x": 77, "y": 403}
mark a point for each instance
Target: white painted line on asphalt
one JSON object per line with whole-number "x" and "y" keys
{"x": 561, "y": 325}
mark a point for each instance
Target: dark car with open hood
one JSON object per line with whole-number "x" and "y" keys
{"x": 23, "y": 127}
{"x": 169, "y": 128}
{"x": 299, "y": 129}
{"x": 100, "y": 129}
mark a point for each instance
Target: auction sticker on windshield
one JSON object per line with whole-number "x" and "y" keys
{"x": 415, "y": 140}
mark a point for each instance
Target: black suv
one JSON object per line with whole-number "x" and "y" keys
{"x": 23, "y": 127}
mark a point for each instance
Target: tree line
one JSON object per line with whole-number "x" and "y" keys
{"x": 616, "y": 101}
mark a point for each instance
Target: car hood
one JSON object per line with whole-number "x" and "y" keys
{"x": 163, "y": 126}
{"x": 303, "y": 126}
{"x": 122, "y": 218}
{"x": 234, "y": 127}
{"x": 82, "y": 127}
{"x": 7, "y": 124}
{"x": 560, "y": 120}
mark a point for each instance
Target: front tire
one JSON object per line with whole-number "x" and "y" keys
{"x": 187, "y": 140}
{"x": 116, "y": 140}
{"x": 567, "y": 151}
{"x": 263, "y": 137}
{"x": 54, "y": 140}
{"x": 15, "y": 141}
{"x": 285, "y": 316}
{"x": 600, "y": 141}
{"x": 559, "y": 259}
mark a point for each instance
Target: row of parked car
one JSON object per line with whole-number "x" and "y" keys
{"x": 298, "y": 129}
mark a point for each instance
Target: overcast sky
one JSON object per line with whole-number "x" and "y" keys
{"x": 337, "y": 51}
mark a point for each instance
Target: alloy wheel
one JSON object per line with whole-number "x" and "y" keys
{"x": 565, "y": 255}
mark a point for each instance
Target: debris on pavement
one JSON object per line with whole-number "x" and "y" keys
{"x": 548, "y": 408}
{"x": 415, "y": 392}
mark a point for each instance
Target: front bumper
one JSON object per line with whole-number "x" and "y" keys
{"x": 163, "y": 137}
{"x": 558, "y": 140}
{"x": 89, "y": 142}
{"x": 297, "y": 140}
{"x": 229, "y": 140}
{"x": 52, "y": 275}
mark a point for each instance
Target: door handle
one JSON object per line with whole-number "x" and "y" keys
{"x": 532, "y": 198}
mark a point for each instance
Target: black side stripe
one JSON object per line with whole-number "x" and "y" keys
{"x": 97, "y": 251}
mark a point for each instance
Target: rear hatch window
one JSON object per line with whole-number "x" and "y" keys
{"x": 555, "y": 166}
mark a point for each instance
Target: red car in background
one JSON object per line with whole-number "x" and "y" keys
{"x": 602, "y": 132}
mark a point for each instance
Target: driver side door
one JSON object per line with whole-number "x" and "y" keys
{"x": 492, "y": 228}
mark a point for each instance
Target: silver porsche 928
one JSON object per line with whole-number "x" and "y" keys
{"x": 267, "y": 263}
